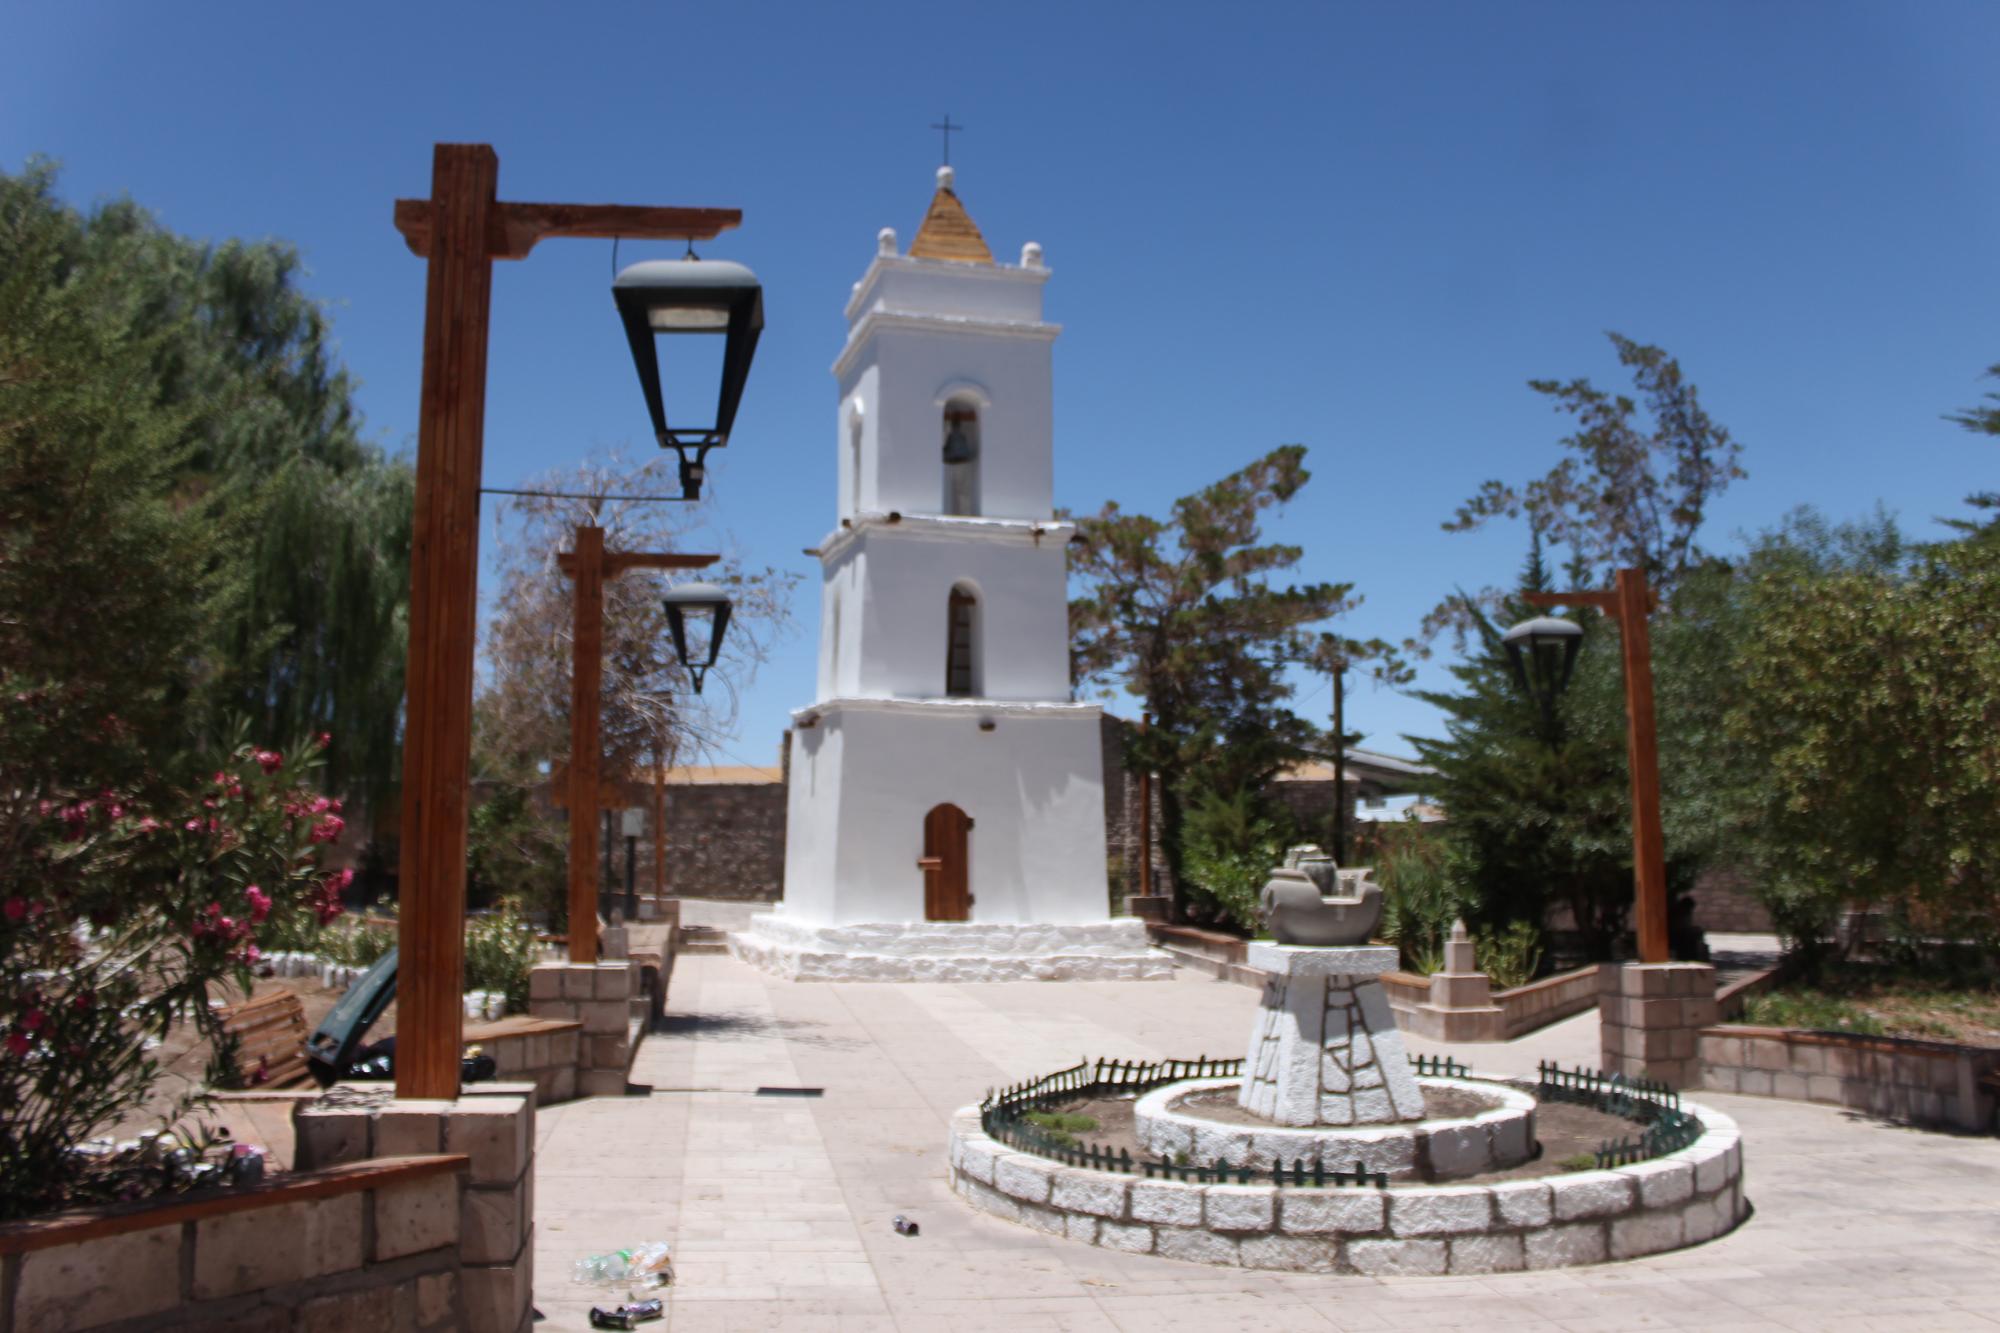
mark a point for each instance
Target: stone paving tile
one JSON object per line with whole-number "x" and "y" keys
{"x": 779, "y": 1208}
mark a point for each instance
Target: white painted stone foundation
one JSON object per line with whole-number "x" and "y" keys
{"x": 1559, "y": 1221}
{"x": 951, "y": 951}
{"x": 1429, "y": 1150}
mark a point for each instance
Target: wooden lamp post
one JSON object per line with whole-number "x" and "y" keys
{"x": 589, "y": 564}
{"x": 1629, "y": 603}
{"x": 461, "y": 229}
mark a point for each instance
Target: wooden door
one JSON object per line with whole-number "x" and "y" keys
{"x": 946, "y": 865}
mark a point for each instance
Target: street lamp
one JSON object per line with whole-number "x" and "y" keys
{"x": 1543, "y": 652}
{"x": 691, "y": 296}
{"x": 697, "y": 601}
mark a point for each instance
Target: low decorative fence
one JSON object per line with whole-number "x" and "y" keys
{"x": 1668, "y": 1128}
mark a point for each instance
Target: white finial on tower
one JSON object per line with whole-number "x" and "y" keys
{"x": 945, "y": 177}
{"x": 885, "y": 241}
{"x": 1031, "y": 255}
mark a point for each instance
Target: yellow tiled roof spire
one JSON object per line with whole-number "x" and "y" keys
{"x": 949, "y": 231}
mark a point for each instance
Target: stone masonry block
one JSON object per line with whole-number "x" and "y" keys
{"x": 1487, "y": 1254}
{"x": 1523, "y": 1203}
{"x": 545, "y": 982}
{"x": 989, "y": 1200}
{"x": 99, "y": 1282}
{"x": 1560, "y": 1247}
{"x": 1592, "y": 1194}
{"x": 1022, "y": 1178}
{"x": 613, "y": 981}
{"x": 1645, "y": 1233}
{"x": 493, "y": 1224}
{"x": 1080, "y": 1227}
{"x": 414, "y": 1217}
{"x": 976, "y": 1159}
{"x": 1290, "y": 1254}
{"x": 1197, "y": 1246}
{"x": 602, "y": 1016}
{"x": 1045, "y": 1220}
{"x": 374, "y": 1308}
{"x": 239, "y": 1252}
{"x": 600, "y": 1083}
{"x": 497, "y": 1133}
{"x": 495, "y": 1298}
{"x": 1711, "y": 1172}
{"x": 1167, "y": 1202}
{"x": 1436, "y": 1211}
{"x": 563, "y": 1088}
{"x": 1130, "y": 1239}
{"x": 410, "y": 1129}
{"x": 1239, "y": 1207}
{"x": 1398, "y": 1258}
{"x": 1459, "y": 1150}
{"x": 1703, "y": 1219}
{"x": 1092, "y": 1192}
{"x": 579, "y": 981}
{"x": 613, "y": 1052}
{"x": 1662, "y": 1184}
{"x": 437, "y": 1297}
{"x": 1340, "y": 1211}
{"x": 328, "y": 1135}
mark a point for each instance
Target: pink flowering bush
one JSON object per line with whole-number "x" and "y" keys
{"x": 123, "y": 915}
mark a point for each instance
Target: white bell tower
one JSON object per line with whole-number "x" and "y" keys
{"x": 946, "y": 802}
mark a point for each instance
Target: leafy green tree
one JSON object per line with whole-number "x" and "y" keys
{"x": 246, "y": 422}
{"x": 1983, "y": 420}
{"x": 1183, "y": 613}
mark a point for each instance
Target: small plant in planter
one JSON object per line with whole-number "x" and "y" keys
{"x": 134, "y": 913}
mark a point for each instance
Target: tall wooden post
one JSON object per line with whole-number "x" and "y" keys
{"x": 461, "y": 229}
{"x": 585, "y": 749}
{"x": 1629, "y": 604}
{"x": 659, "y": 830}
{"x": 1649, "y": 865}
{"x": 444, "y": 602}
{"x": 1340, "y": 801}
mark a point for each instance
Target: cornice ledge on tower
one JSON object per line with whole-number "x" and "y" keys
{"x": 942, "y": 527}
{"x": 956, "y": 706}
{"x": 958, "y": 268}
{"x": 911, "y": 321}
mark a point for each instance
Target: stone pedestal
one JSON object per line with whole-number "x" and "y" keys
{"x": 1461, "y": 1005}
{"x": 1649, "y": 1014}
{"x": 599, "y": 996}
{"x": 495, "y": 1133}
{"x": 1325, "y": 1049}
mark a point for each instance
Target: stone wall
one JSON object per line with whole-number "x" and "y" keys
{"x": 1649, "y": 1015}
{"x": 1928, "y": 1082}
{"x": 545, "y": 1052}
{"x": 1581, "y": 1217}
{"x": 724, "y": 840}
{"x": 371, "y": 1245}
{"x": 1123, "y": 855}
{"x": 598, "y": 998}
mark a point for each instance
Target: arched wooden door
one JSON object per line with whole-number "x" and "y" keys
{"x": 946, "y": 865}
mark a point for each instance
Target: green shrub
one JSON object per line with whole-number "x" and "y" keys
{"x": 1229, "y": 848}
{"x": 499, "y": 950}
{"x": 1421, "y": 893}
{"x": 1511, "y": 957}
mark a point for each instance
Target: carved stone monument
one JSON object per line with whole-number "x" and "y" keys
{"x": 1325, "y": 1049}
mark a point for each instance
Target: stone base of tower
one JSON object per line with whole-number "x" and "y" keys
{"x": 950, "y": 951}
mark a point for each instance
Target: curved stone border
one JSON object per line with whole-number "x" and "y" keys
{"x": 1419, "y": 1150}
{"x": 1584, "y": 1217}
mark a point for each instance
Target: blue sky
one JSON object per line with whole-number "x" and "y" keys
{"x": 1360, "y": 228}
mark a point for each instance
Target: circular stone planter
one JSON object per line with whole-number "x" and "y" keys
{"x": 1583, "y": 1217}
{"x": 1413, "y": 1150}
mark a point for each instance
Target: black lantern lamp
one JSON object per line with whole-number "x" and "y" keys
{"x": 1543, "y": 652}
{"x": 697, "y": 601}
{"x": 681, "y": 296}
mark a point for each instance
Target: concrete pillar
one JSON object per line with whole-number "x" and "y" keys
{"x": 1650, "y": 1015}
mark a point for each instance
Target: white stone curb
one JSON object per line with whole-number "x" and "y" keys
{"x": 1446, "y": 1149}
{"x": 1559, "y": 1221}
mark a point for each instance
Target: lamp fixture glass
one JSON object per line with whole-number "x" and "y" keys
{"x": 1543, "y": 652}
{"x": 660, "y": 297}
{"x": 698, "y": 602}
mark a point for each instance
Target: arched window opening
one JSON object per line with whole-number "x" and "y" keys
{"x": 961, "y": 459}
{"x": 960, "y": 674}
{"x": 854, "y": 460}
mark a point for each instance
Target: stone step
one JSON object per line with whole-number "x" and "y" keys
{"x": 1240, "y": 973}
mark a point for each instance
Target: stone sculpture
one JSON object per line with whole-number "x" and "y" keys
{"x": 1297, "y": 908}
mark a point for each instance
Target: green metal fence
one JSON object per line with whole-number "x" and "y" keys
{"x": 1668, "y": 1127}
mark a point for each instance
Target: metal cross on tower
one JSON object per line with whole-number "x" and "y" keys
{"x": 947, "y": 127}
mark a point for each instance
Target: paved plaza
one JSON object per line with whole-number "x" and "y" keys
{"x": 778, "y": 1208}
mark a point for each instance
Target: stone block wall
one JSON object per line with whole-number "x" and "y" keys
{"x": 598, "y": 998}
{"x": 1123, "y": 854}
{"x": 1925, "y": 1082}
{"x": 1650, "y": 1015}
{"x": 541, "y": 1052}
{"x": 495, "y": 1211}
{"x": 376, "y": 1246}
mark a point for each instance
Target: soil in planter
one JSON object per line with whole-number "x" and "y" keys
{"x": 1563, "y": 1131}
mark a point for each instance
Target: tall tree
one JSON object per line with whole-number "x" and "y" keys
{"x": 257, "y": 419}
{"x": 1983, "y": 420}
{"x": 1183, "y": 613}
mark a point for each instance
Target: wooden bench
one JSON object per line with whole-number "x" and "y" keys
{"x": 270, "y": 1041}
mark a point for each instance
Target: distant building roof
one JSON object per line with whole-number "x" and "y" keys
{"x": 713, "y": 775}
{"x": 1370, "y": 767}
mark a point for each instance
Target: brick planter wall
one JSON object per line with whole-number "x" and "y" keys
{"x": 1927, "y": 1082}
{"x": 597, "y": 997}
{"x": 1584, "y": 1217}
{"x": 373, "y": 1245}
